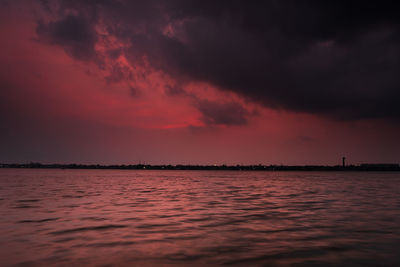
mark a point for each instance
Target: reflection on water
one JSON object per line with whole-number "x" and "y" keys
{"x": 198, "y": 218}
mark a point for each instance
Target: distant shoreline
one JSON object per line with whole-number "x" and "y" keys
{"x": 362, "y": 167}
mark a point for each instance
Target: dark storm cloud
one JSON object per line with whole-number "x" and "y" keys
{"x": 336, "y": 58}
{"x": 74, "y": 32}
{"x": 175, "y": 91}
{"x": 215, "y": 113}
{"x": 118, "y": 73}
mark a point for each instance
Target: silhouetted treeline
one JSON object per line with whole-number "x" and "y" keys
{"x": 362, "y": 167}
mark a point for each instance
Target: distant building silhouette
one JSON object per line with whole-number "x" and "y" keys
{"x": 362, "y": 167}
{"x": 379, "y": 166}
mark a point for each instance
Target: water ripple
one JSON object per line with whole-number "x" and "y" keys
{"x": 92, "y": 228}
{"x": 198, "y": 218}
{"x": 38, "y": 221}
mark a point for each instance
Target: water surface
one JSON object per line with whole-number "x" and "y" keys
{"x": 198, "y": 218}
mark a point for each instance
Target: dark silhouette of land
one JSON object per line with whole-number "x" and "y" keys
{"x": 361, "y": 167}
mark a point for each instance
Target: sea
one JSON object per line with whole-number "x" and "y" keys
{"x": 55, "y": 217}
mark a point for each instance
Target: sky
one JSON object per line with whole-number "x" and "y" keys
{"x": 199, "y": 82}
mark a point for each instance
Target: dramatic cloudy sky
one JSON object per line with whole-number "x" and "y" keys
{"x": 202, "y": 82}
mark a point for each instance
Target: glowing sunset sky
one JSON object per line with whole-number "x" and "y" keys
{"x": 200, "y": 82}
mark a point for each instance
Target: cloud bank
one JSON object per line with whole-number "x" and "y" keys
{"x": 330, "y": 58}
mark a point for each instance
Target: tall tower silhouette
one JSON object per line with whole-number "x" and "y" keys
{"x": 344, "y": 162}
